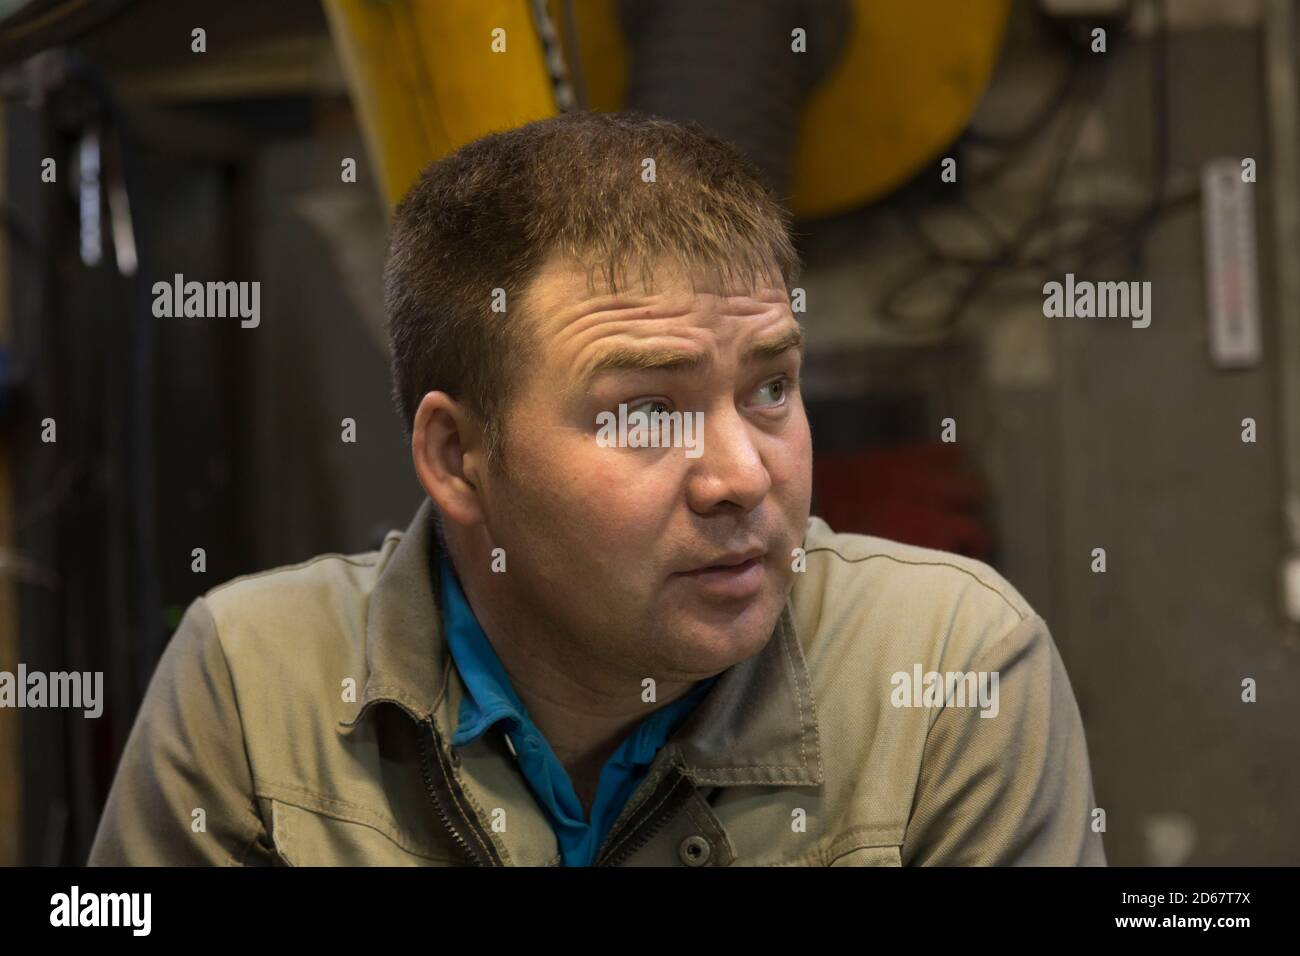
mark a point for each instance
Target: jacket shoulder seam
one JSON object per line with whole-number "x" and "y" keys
{"x": 1021, "y": 615}
{"x": 351, "y": 559}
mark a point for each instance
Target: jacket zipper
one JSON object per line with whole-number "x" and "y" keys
{"x": 641, "y": 830}
{"x": 645, "y": 828}
{"x": 490, "y": 857}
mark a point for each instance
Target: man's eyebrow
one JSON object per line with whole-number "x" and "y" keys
{"x": 788, "y": 341}
{"x": 624, "y": 358}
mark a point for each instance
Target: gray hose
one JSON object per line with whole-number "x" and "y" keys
{"x": 728, "y": 65}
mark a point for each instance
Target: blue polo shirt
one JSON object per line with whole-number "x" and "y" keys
{"x": 491, "y": 698}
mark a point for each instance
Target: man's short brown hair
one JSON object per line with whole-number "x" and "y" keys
{"x": 488, "y": 215}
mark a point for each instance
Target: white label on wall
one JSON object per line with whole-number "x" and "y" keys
{"x": 1231, "y": 264}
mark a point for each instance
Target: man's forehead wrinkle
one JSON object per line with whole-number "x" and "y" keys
{"x": 584, "y": 323}
{"x": 626, "y": 309}
{"x": 749, "y": 308}
{"x": 647, "y": 320}
{"x": 577, "y": 315}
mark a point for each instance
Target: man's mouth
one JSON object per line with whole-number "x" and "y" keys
{"x": 733, "y": 575}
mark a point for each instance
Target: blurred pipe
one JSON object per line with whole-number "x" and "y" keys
{"x": 748, "y": 90}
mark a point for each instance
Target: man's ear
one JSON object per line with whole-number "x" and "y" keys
{"x": 446, "y": 444}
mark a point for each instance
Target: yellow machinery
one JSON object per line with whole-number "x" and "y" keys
{"x": 428, "y": 76}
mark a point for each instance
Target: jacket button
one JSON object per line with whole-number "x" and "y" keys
{"x": 695, "y": 851}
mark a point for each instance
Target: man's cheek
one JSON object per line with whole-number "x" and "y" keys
{"x": 601, "y": 467}
{"x": 791, "y": 468}
{"x": 608, "y": 526}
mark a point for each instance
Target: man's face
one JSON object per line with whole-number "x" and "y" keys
{"x": 655, "y": 562}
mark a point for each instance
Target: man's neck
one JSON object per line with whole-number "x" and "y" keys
{"x": 583, "y": 709}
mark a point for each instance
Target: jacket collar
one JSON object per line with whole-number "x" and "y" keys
{"x": 758, "y": 724}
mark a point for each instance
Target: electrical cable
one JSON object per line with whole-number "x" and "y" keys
{"x": 1110, "y": 229}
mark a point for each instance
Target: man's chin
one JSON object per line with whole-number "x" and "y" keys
{"x": 712, "y": 637}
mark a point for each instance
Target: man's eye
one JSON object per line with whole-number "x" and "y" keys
{"x": 649, "y": 405}
{"x": 775, "y": 392}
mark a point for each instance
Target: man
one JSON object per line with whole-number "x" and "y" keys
{"x": 592, "y": 646}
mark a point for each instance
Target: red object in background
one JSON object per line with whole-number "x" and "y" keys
{"x": 922, "y": 494}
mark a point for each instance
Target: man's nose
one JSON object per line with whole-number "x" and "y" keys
{"x": 730, "y": 471}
